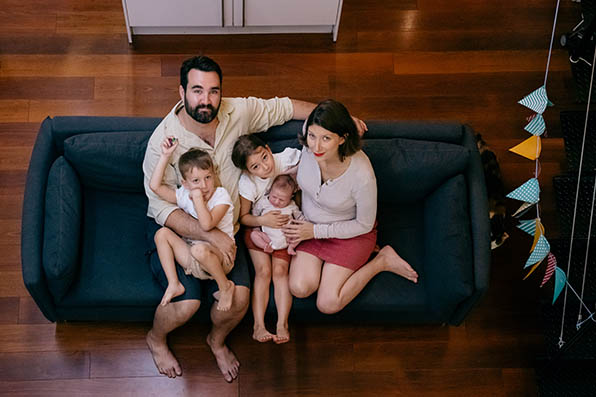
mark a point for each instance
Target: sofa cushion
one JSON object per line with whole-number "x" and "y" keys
{"x": 109, "y": 161}
{"x": 409, "y": 170}
{"x": 62, "y": 227}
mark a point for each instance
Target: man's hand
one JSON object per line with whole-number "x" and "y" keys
{"x": 360, "y": 125}
{"x": 274, "y": 219}
{"x": 225, "y": 244}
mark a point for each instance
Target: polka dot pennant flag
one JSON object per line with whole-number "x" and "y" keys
{"x": 528, "y": 192}
{"x": 536, "y": 101}
{"x": 540, "y": 252}
{"x": 536, "y": 126}
{"x": 560, "y": 280}
{"x": 550, "y": 268}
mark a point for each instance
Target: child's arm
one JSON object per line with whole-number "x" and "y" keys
{"x": 156, "y": 184}
{"x": 207, "y": 219}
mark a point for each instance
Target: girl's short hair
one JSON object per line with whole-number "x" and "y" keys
{"x": 244, "y": 147}
{"x": 195, "y": 158}
{"x": 334, "y": 117}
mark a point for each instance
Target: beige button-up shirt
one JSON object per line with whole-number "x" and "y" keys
{"x": 236, "y": 116}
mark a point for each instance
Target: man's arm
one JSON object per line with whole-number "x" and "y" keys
{"x": 185, "y": 225}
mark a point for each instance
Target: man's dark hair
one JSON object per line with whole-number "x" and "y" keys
{"x": 334, "y": 117}
{"x": 202, "y": 63}
{"x": 244, "y": 147}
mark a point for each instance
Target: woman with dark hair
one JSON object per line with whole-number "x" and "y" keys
{"x": 339, "y": 201}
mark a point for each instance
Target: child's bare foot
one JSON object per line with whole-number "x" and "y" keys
{"x": 172, "y": 291}
{"x": 260, "y": 334}
{"x": 225, "y": 296}
{"x": 291, "y": 250}
{"x": 395, "y": 264}
{"x": 268, "y": 249}
{"x": 282, "y": 334}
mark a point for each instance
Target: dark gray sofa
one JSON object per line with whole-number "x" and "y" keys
{"x": 84, "y": 219}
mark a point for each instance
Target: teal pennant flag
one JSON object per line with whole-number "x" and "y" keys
{"x": 537, "y": 100}
{"x": 540, "y": 252}
{"x": 528, "y": 192}
{"x": 536, "y": 126}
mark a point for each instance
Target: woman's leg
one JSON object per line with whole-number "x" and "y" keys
{"x": 340, "y": 285}
{"x": 283, "y": 298}
{"x": 260, "y": 294}
{"x": 169, "y": 246}
{"x": 211, "y": 260}
{"x": 305, "y": 274}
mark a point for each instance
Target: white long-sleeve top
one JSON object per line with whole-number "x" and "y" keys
{"x": 343, "y": 207}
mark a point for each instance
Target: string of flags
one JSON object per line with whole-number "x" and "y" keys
{"x": 529, "y": 192}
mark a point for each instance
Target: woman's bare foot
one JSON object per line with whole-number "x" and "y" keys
{"x": 226, "y": 360}
{"x": 163, "y": 357}
{"x": 226, "y": 296}
{"x": 260, "y": 334}
{"x": 282, "y": 335}
{"x": 395, "y": 264}
{"x": 172, "y": 291}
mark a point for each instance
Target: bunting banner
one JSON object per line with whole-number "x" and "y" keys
{"x": 536, "y": 126}
{"x": 536, "y": 101}
{"x": 550, "y": 268}
{"x": 539, "y": 253}
{"x": 528, "y": 226}
{"x": 528, "y": 192}
{"x": 560, "y": 280}
{"x": 525, "y": 207}
{"x": 530, "y": 148}
{"x": 532, "y": 269}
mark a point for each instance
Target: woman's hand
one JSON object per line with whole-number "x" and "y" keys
{"x": 297, "y": 231}
{"x": 274, "y": 219}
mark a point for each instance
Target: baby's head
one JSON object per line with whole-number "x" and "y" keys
{"x": 198, "y": 172}
{"x": 250, "y": 153}
{"x": 282, "y": 190}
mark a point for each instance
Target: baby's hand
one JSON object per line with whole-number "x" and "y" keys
{"x": 274, "y": 219}
{"x": 168, "y": 145}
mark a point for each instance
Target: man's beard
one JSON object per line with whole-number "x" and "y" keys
{"x": 201, "y": 116}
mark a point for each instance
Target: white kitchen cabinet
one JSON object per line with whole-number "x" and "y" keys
{"x": 231, "y": 16}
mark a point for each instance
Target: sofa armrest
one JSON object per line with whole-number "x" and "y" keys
{"x": 32, "y": 225}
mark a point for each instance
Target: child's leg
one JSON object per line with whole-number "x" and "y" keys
{"x": 169, "y": 244}
{"x": 283, "y": 298}
{"x": 261, "y": 240}
{"x": 260, "y": 294}
{"x": 211, "y": 260}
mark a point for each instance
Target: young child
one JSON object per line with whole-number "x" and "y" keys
{"x": 200, "y": 197}
{"x": 260, "y": 167}
{"x": 280, "y": 199}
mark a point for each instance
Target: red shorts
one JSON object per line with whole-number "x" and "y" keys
{"x": 351, "y": 253}
{"x": 281, "y": 254}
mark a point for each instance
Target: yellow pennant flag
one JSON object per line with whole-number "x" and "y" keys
{"x": 533, "y": 268}
{"x": 539, "y": 232}
{"x": 530, "y": 148}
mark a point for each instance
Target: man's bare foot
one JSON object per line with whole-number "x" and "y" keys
{"x": 260, "y": 334}
{"x": 225, "y": 296}
{"x": 172, "y": 291}
{"x": 395, "y": 264}
{"x": 282, "y": 335}
{"x": 163, "y": 357}
{"x": 226, "y": 360}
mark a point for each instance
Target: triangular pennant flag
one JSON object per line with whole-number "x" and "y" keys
{"x": 536, "y": 126}
{"x": 550, "y": 268}
{"x": 532, "y": 269}
{"x": 530, "y": 148}
{"x": 528, "y": 192}
{"x": 540, "y": 251}
{"x": 537, "y": 233}
{"x": 528, "y": 226}
{"x": 560, "y": 280}
{"x": 536, "y": 100}
{"x": 522, "y": 209}
{"x": 549, "y": 103}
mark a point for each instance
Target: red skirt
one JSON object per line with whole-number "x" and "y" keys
{"x": 351, "y": 253}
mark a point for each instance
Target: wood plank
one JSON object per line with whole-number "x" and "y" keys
{"x": 14, "y": 111}
{"x": 29, "y": 313}
{"x": 79, "y": 65}
{"x": 32, "y": 43}
{"x": 46, "y": 88}
{"x": 9, "y": 311}
{"x": 478, "y": 62}
{"x": 38, "y": 21}
{"x": 87, "y": 22}
{"x": 45, "y": 365}
{"x": 12, "y": 285}
{"x": 452, "y": 382}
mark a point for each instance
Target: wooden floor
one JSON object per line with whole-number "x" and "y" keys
{"x": 464, "y": 60}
